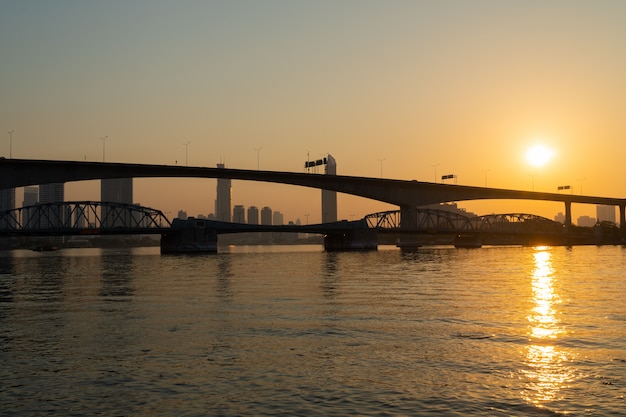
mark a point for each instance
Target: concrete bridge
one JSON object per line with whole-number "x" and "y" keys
{"x": 407, "y": 195}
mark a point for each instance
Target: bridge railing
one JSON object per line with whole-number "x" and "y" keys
{"x": 86, "y": 216}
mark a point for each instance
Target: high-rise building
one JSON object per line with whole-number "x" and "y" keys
{"x": 53, "y": 193}
{"x": 239, "y": 214}
{"x": 266, "y": 216}
{"x": 7, "y": 202}
{"x": 253, "y": 215}
{"x": 115, "y": 190}
{"x": 222, "y": 202}
{"x": 31, "y": 196}
{"x": 329, "y": 198}
{"x": 277, "y": 218}
{"x": 605, "y": 213}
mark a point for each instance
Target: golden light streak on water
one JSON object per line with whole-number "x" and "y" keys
{"x": 547, "y": 364}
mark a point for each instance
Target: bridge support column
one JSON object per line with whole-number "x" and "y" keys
{"x": 189, "y": 236}
{"x": 408, "y": 223}
{"x": 568, "y": 215}
{"x": 622, "y": 221}
{"x": 357, "y": 239}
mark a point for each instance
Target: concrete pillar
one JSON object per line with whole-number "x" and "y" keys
{"x": 568, "y": 215}
{"x": 408, "y": 223}
{"x": 622, "y": 221}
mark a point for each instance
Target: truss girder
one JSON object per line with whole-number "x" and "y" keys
{"x": 443, "y": 221}
{"x": 76, "y": 216}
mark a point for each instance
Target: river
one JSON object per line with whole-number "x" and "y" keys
{"x": 294, "y": 330}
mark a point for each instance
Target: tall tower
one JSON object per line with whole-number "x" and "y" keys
{"x": 329, "y": 198}
{"x": 266, "y": 216}
{"x": 7, "y": 202}
{"x": 53, "y": 193}
{"x": 253, "y": 215}
{"x": 222, "y": 202}
{"x": 115, "y": 190}
{"x": 239, "y": 214}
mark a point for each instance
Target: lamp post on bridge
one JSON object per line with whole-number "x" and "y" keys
{"x": 186, "y": 145}
{"x": 485, "y": 171}
{"x": 258, "y": 150}
{"x": 103, "y": 139}
{"x": 381, "y": 166}
{"x": 11, "y": 143}
{"x": 435, "y": 166}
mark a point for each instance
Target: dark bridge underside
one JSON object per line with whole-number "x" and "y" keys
{"x": 23, "y": 172}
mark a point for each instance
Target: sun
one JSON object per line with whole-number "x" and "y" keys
{"x": 539, "y": 155}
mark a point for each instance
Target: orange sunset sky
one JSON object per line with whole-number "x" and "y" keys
{"x": 415, "y": 89}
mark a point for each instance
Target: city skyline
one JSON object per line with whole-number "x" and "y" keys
{"x": 415, "y": 90}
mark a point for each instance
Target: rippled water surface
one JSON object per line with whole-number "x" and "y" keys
{"x": 298, "y": 331}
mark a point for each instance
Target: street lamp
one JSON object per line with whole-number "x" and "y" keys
{"x": 381, "y": 166}
{"x": 11, "y": 143}
{"x": 435, "y": 166}
{"x": 103, "y": 139}
{"x": 486, "y": 171}
{"x": 257, "y": 157}
{"x": 581, "y": 184}
{"x": 186, "y": 144}
{"x": 532, "y": 179}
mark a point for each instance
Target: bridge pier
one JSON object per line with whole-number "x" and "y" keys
{"x": 189, "y": 236}
{"x": 357, "y": 239}
{"x": 408, "y": 222}
{"x": 622, "y": 221}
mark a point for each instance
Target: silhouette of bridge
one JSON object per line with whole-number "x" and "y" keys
{"x": 407, "y": 195}
{"x": 90, "y": 218}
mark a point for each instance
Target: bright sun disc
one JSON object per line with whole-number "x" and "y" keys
{"x": 539, "y": 155}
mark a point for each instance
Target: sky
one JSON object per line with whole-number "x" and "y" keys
{"x": 403, "y": 89}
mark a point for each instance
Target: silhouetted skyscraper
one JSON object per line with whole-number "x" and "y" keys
{"x": 266, "y": 216}
{"x": 222, "y": 202}
{"x": 7, "y": 202}
{"x": 329, "y": 198}
{"x": 239, "y": 214}
{"x": 253, "y": 215}
{"x": 115, "y": 190}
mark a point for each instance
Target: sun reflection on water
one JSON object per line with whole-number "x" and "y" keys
{"x": 547, "y": 370}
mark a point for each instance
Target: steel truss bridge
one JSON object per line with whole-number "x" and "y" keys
{"x": 82, "y": 218}
{"x": 433, "y": 221}
{"x": 102, "y": 218}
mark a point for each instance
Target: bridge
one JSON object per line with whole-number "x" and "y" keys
{"x": 407, "y": 195}
{"x": 90, "y": 218}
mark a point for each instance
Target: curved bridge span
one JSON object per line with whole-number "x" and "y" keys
{"x": 403, "y": 193}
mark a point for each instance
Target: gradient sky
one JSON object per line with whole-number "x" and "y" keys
{"x": 417, "y": 88}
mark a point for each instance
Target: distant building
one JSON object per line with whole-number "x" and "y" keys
{"x": 31, "y": 196}
{"x": 606, "y": 213}
{"x": 586, "y": 221}
{"x": 55, "y": 217}
{"x": 266, "y": 216}
{"x": 277, "y": 218}
{"x": 239, "y": 214}
{"x": 7, "y": 202}
{"x": 115, "y": 190}
{"x": 329, "y": 198}
{"x": 560, "y": 218}
{"x": 182, "y": 215}
{"x": 222, "y": 202}
{"x": 253, "y": 215}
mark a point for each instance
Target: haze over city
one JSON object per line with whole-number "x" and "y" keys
{"x": 406, "y": 90}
